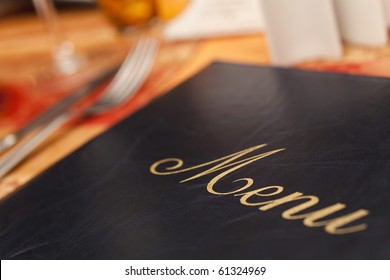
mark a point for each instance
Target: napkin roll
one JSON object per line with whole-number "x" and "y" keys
{"x": 300, "y": 29}
{"x": 386, "y": 7}
{"x": 362, "y": 22}
{"x": 305, "y": 29}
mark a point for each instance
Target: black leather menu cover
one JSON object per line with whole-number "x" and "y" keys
{"x": 238, "y": 162}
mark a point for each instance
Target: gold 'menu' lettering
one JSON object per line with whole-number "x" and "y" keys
{"x": 312, "y": 200}
{"x": 258, "y": 192}
{"x": 241, "y": 163}
{"x": 179, "y": 163}
{"x": 310, "y": 219}
{"x": 333, "y": 227}
{"x": 225, "y": 162}
{"x": 249, "y": 182}
{"x": 233, "y": 162}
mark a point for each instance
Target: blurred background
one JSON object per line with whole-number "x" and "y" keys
{"x": 348, "y": 36}
{"x": 8, "y": 7}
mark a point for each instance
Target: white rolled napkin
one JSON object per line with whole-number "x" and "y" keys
{"x": 362, "y": 22}
{"x": 386, "y": 7}
{"x": 301, "y": 29}
{"x": 205, "y": 18}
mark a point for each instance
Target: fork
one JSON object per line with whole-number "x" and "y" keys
{"x": 129, "y": 78}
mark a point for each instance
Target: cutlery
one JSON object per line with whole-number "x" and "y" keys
{"x": 11, "y": 139}
{"x": 129, "y": 78}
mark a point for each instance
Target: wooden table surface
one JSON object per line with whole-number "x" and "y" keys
{"x": 25, "y": 47}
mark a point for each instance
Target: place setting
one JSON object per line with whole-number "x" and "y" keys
{"x": 35, "y": 97}
{"x": 221, "y": 139}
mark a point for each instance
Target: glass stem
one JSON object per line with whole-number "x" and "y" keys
{"x": 65, "y": 59}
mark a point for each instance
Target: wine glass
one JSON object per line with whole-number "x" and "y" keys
{"x": 65, "y": 59}
{"x": 131, "y": 17}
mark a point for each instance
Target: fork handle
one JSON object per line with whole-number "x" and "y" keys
{"x": 15, "y": 156}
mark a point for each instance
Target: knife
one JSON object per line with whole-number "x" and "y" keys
{"x": 62, "y": 106}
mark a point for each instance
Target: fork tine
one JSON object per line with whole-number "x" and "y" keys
{"x": 130, "y": 61}
{"x": 131, "y": 81}
{"x": 143, "y": 67}
{"x": 139, "y": 77}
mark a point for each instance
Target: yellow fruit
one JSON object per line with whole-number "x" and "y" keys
{"x": 137, "y": 12}
{"x": 167, "y": 9}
